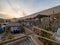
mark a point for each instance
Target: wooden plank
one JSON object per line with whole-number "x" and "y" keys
{"x": 54, "y": 41}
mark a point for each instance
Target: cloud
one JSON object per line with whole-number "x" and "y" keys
{"x": 18, "y": 7}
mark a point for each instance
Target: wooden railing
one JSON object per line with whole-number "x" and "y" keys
{"x": 49, "y": 32}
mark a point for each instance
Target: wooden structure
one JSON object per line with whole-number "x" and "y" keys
{"x": 49, "y": 32}
{"x": 47, "y": 18}
{"x": 41, "y": 20}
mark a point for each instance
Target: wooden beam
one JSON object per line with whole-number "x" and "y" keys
{"x": 54, "y": 41}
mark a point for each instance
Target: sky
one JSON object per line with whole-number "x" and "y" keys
{"x": 20, "y": 8}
